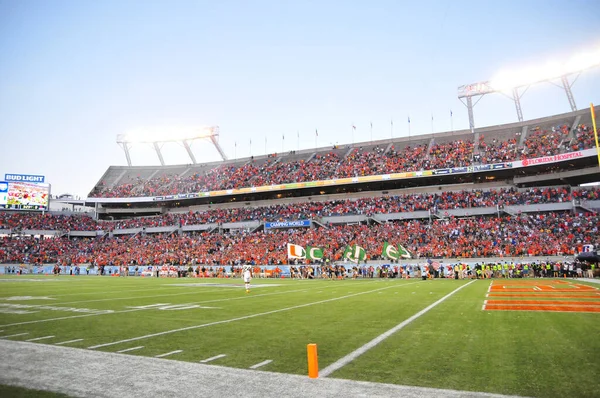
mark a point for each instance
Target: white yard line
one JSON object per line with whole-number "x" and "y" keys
{"x": 141, "y": 309}
{"x": 130, "y": 349}
{"x": 361, "y": 350}
{"x": 247, "y": 297}
{"x": 126, "y": 298}
{"x": 117, "y": 289}
{"x": 168, "y": 353}
{"x": 213, "y": 358}
{"x": 537, "y": 288}
{"x": 13, "y": 335}
{"x": 163, "y": 295}
{"x": 40, "y": 338}
{"x": 66, "y": 317}
{"x": 483, "y": 306}
{"x": 261, "y": 364}
{"x": 241, "y": 318}
{"x": 68, "y": 342}
{"x": 177, "y": 378}
{"x": 150, "y": 288}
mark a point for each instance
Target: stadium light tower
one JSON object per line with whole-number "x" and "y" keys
{"x": 514, "y": 83}
{"x": 158, "y": 136}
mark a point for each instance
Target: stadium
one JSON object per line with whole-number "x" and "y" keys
{"x": 454, "y": 263}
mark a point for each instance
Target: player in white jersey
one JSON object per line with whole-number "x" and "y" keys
{"x": 247, "y": 275}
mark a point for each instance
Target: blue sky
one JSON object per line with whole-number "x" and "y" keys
{"x": 74, "y": 74}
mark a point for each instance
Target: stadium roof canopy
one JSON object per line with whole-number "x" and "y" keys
{"x": 157, "y": 136}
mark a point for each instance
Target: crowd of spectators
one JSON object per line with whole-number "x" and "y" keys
{"x": 48, "y": 222}
{"x": 584, "y": 138}
{"x": 361, "y": 162}
{"x": 312, "y": 210}
{"x": 457, "y": 153}
{"x": 496, "y": 151}
{"x": 407, "y": 159}
{"x": 541, "y": 142}
{"x": 525, "y": 235}
{"x": 358, "y": 162}
{"x": 123, "y": 190}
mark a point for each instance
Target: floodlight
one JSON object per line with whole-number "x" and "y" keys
{"x": 514, "y": 82}
{"x": 507, "y": 80}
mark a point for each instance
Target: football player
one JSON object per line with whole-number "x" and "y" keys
{"x": 247, "y": 275}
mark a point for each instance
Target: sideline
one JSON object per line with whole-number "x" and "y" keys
{"x": 54, "y": 368}
{"x": 361, "y": 350}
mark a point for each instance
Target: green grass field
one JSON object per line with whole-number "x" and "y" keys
{"x": 455, "y": 345}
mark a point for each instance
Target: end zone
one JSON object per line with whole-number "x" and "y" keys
{"x": 541, "y": 296}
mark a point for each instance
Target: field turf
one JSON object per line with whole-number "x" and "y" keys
{"x": 455, "y": 345}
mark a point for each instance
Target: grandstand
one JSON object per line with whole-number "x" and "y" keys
{"x": 452, "y": 187}
{"x": 544, "y": 137}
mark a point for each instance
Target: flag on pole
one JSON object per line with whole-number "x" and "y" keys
{"x": 389, "y": 251}
{"x": 353, "y": 127}
{"x": 403, "y": 252}
{"x": 392, "y": 122}
{"x": 314, "y": 253}
{"x": 295, "y": 251}
{"x": 347, "y": 253}
{"x": 450, "y": 112}
{"x": 316, "y": 132}
{"x": 358, "y": 253}
{"x": 409, "y": 120}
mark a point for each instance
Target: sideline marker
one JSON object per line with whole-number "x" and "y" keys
{"x": 313, "y": 361}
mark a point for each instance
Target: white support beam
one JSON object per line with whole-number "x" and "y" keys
{"x": 187, "y": 147}
{"x": 567, "y": 86}
{"x": 126, "y": 146}
{"x": 159, "y": 153}
{"x": 157, "y": 136}
{"x": 517, "y": 99}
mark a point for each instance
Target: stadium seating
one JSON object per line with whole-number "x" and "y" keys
{"x": 584, "y": 138}
{"x": 313, "y": 210}
{"x": 551, "y": 233}
{"x": 443, "y": 151}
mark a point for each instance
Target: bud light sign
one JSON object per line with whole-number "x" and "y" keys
{"x": 23, "y": 178}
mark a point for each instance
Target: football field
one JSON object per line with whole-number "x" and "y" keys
{"x": 535, "y": 337}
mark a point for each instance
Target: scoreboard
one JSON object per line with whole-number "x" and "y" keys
{"x": 21, "y": 194}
